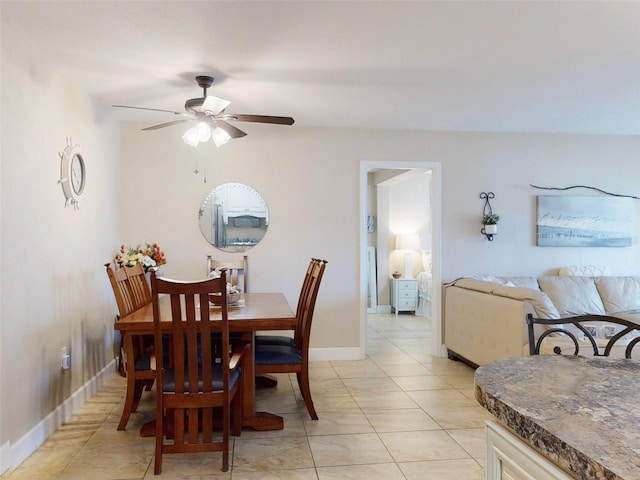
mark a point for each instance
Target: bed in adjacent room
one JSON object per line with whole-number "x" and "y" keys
{"x": 424, "y": 286}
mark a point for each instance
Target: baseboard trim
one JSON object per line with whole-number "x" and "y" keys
{"x": 4, "y": 457}
{"x": 329, "y": 354}
{"x": 11, "y": 456}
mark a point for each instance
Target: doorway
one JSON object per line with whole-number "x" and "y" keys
{"x": 385, "y": 237}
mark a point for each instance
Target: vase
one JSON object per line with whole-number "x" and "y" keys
{"x": 491, "y": 229}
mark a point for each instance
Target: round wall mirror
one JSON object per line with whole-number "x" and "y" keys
{"x": 233, "y": 217}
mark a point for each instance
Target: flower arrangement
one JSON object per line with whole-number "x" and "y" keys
{"x": 149, "y": 255}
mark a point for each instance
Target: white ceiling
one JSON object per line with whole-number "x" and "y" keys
{"x": 468, "y": 66}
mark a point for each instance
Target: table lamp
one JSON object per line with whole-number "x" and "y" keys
{"x": 409, "y": 243}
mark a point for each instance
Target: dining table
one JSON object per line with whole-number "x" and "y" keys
{"x": 254, "y": 312}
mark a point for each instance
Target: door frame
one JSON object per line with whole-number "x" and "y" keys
{"x": 437, "y": 345}
{"x": 372, "y": 280}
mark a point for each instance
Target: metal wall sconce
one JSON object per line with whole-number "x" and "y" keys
{"x": 489, "y": 219}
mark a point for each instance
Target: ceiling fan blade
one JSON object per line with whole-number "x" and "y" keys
{"x": 152, "y": 109}
{"x": 261, "y": 119}
{"x": 167, "y": 124}
{"x": 232, "y": 131}
{"x": 214, "y": 105}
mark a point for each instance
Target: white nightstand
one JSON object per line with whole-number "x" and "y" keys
{"x": 404, "y": 295}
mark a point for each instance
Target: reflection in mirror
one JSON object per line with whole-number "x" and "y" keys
{"x": 233, "y": 217}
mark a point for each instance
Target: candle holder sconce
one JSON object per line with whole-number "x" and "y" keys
{"x": 489, "y": 219}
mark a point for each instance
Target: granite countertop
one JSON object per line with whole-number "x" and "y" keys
{"x": 583, "y": 413}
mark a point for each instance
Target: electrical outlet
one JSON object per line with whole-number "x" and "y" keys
{"x": 66, "y": 358}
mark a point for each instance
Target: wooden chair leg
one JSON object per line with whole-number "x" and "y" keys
{"x": 157, "y": 466}
{"x": 303, "y": 383}
{"x": 137, "y": 394}
{"x": 236, "y": 414}
{"x": 128, "y": 403}
{"x": 226, "y": 420}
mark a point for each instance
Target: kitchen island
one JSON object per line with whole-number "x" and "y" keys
{"x": 581, "y": 414}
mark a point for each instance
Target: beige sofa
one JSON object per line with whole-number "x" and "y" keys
{"x": 484, "y": 317}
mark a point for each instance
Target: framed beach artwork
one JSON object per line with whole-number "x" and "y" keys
{"x": 572, "y": 221}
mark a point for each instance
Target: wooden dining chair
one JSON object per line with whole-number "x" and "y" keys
{"x": 237, "y": 272}
{"x": 140, "y": 288}
{"x": 121, "y": 290}
{"x": 278, "y": 358}
{"x": 137, "y": 370}
{"x": 292, "y": 340}
{"x": 192, "y": 384}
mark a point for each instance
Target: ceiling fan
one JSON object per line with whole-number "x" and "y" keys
{"x": 211, "y": 120}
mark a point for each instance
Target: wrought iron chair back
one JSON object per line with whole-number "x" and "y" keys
{"x": 584, "y": 324}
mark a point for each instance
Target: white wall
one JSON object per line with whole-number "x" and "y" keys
{"x": 309, "y": 179}
{"x": 54, "y": 289}
{"x": 507, "y": 164}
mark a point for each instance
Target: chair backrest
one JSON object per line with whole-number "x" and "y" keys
{"x": 189, "y": 368}
{"x": 237, "y": 272}
{"x": 304, "y": 294}
{"x": 614, "y": 330}
{"x": 140, "y": 287}
{"x": 304, "y": 290}
{"x": 121, "y": 290}
{"x": 305, "y": 310}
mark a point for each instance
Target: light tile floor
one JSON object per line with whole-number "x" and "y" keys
{"x": 398, "y": 414}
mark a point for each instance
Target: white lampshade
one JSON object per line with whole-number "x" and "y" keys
{"x": 220, "y": 137}
{"x": 408, "y": 241}
{"x": 204, "y": 131}
{"x": 190, "y": 137}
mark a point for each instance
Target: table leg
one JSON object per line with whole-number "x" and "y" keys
{"x": 251, "y": 418}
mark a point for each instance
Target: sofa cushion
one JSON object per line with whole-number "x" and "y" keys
{"x": 510, "y": 287}
{"x": 540, "y": 302}
{"x": 487, "y": 279}
{"x": 572, "y": 296}
{"x": 471, "y": 283}
{"x": 486, "y": 283}
{"x": 619, "y": 294}
{"x": 525, "y": 282}
{"x": 584, "y": 270}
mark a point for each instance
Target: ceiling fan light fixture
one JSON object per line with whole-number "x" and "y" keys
{"x": 190, "y": 137}
{"x": 203, "y": 130}
{"x": 220, "y": 137}
{"x": 208, "y": 112}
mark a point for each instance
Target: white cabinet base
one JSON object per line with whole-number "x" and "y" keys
{"x": 507, "y": 457}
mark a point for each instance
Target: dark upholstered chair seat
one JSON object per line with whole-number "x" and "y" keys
{"x": 281, "y": 340}
{"x": 170, "y": 384}
{"x": 143, "y": 362}
{"x": 277, "y": 355}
